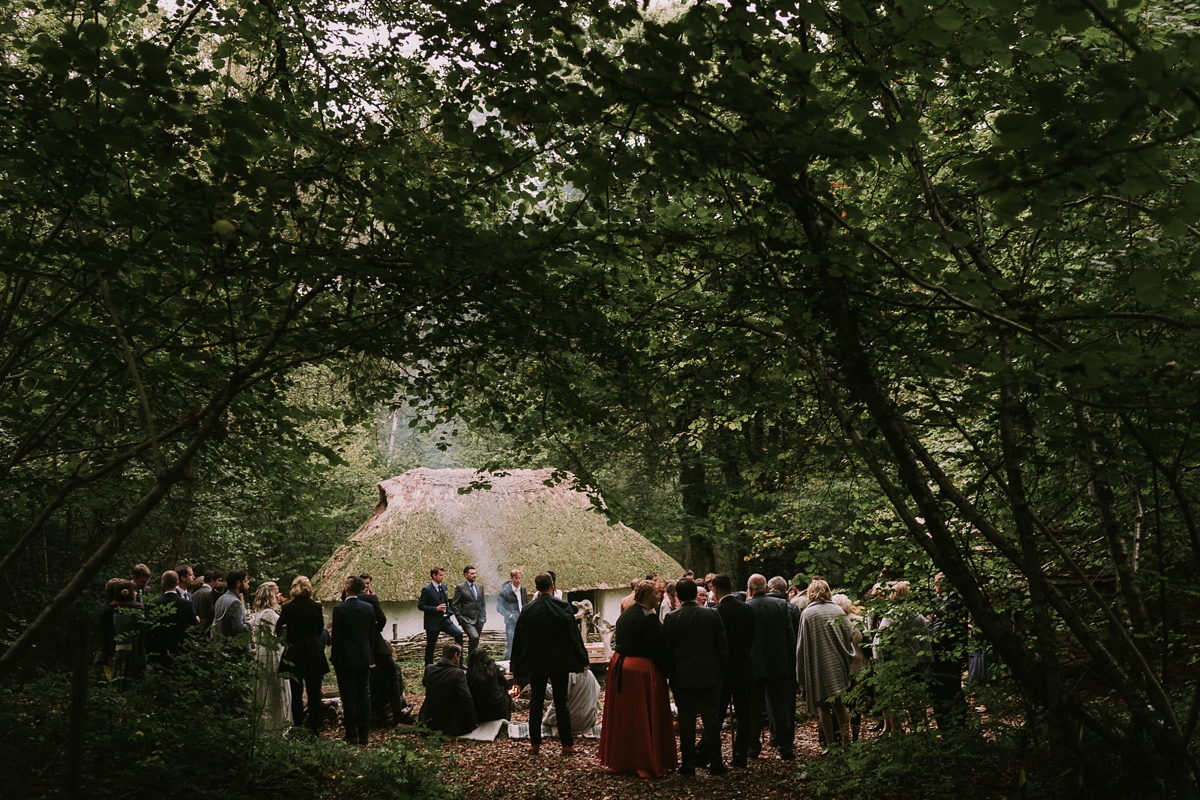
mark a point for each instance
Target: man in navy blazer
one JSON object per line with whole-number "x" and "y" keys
{"x": 435, "y": 602}
{"x": 353, "y": 636}
{"x": 511, "y": 602}
{"x": 171, "y": 617}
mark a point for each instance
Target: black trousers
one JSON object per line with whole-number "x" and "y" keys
{"x": 690, "y": 701}
{"x": 354, "y": 685}
{"x": 747, "y": 726}
{"x": 944, "y": 679}
{"x": 312, "y": 685}
{"x": 781, "y": 690}
{"x": 537, "y": 707}
{"x": 431, "y": 638}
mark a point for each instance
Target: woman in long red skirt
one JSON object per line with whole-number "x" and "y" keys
{"x": 638, "y": 735}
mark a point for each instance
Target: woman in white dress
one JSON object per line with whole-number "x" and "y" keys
{"x": 272, "y": 692}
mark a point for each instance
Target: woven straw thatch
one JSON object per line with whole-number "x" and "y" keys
{"x": 422, "y": 520}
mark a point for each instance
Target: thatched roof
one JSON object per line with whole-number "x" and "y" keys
{"x": 422, "y": 520}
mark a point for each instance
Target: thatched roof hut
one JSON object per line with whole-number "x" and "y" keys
{"x": 434, "y": 516}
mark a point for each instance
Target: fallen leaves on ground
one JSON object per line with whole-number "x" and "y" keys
{"x": 506, "y": 769}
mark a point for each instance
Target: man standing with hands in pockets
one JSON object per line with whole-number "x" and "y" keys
{"x": 470, "y": 609}
{"x": 435, "y": 602}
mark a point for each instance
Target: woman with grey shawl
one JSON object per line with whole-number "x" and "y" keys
{"x": 824, "y": 648}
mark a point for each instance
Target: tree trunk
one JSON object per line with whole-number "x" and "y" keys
{"x": 693, "y": 490}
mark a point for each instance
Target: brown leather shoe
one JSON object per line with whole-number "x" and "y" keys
{"x": 569, "y": 751}
{"x": 534, "y": 749}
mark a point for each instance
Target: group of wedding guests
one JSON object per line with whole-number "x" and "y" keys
{"x": 281, "y": 641}
{"x": 712, "y": 647}
{"x": 547, "y": 657}
{"x": 709, "y": 646}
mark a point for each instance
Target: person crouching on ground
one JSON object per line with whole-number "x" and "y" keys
{"x": 448, "y": 706}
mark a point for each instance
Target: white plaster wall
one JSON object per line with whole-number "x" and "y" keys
{"x": 610, "y": 603}
{"x": 409, "y": 620}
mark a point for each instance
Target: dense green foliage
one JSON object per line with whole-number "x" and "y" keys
{"x": 195, "y": 726}
{"x": 952, "y": 240}
{"x": 197, "y": 205}
{"x": 829, "y": 286}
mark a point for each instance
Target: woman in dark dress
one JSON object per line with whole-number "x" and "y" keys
{"x": 129, "y": 634}
{"x": 301, "y": 621}
{"x": 638, "y": 734}
{"x": 489, "y": 690}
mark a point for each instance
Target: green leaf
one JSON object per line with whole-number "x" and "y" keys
{"x": 948, "y": 19}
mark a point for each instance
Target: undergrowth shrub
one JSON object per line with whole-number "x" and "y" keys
{"x": 195, "y": 726}
{"x": 999, "y": 755}
{"x": 922, "y": 764}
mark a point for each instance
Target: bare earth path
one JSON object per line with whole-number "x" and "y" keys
{"x": 504, "y": 769}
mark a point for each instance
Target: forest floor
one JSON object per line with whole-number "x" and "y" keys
{"x": 505, "y": 769}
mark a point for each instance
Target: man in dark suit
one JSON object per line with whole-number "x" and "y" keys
{"x": 510, "y": 603}
{"x": 435, "y": 602}
{"x": 448, "y": 706}
{"x": 171, "y": 616}
{"x": 387, "y": 680}
{"x": 777, "y": 587}
{"x": 774, "y": 657}
{"x": 186, "y": 578}
{"x": 354, "y": 632}
{"x": 695, "y": 650}
{"x": 738, "y": 682}
{"x": 470, "y": 609}
{"x": 547, "y": 647}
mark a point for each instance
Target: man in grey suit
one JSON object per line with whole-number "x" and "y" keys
{"x": 229, "y": 613}
{"x": 470, "y": 609}
{"x": 695, "y": 651}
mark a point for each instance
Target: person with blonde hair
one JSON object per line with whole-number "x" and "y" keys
{"x": 510, "y": 603}
{"x": 301, "y": 623}
{"x": 855, "y": 618}
{"x": 824, "y": 648}
{"x": 272, "y": 693}
{"x": 897, "y": 638}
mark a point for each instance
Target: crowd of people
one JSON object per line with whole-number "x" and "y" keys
{"x": 756, "y": 651}
{"x": 544, "y": 649}
{"x": 710, "y": 647}
{"x": 284, "y": 639}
